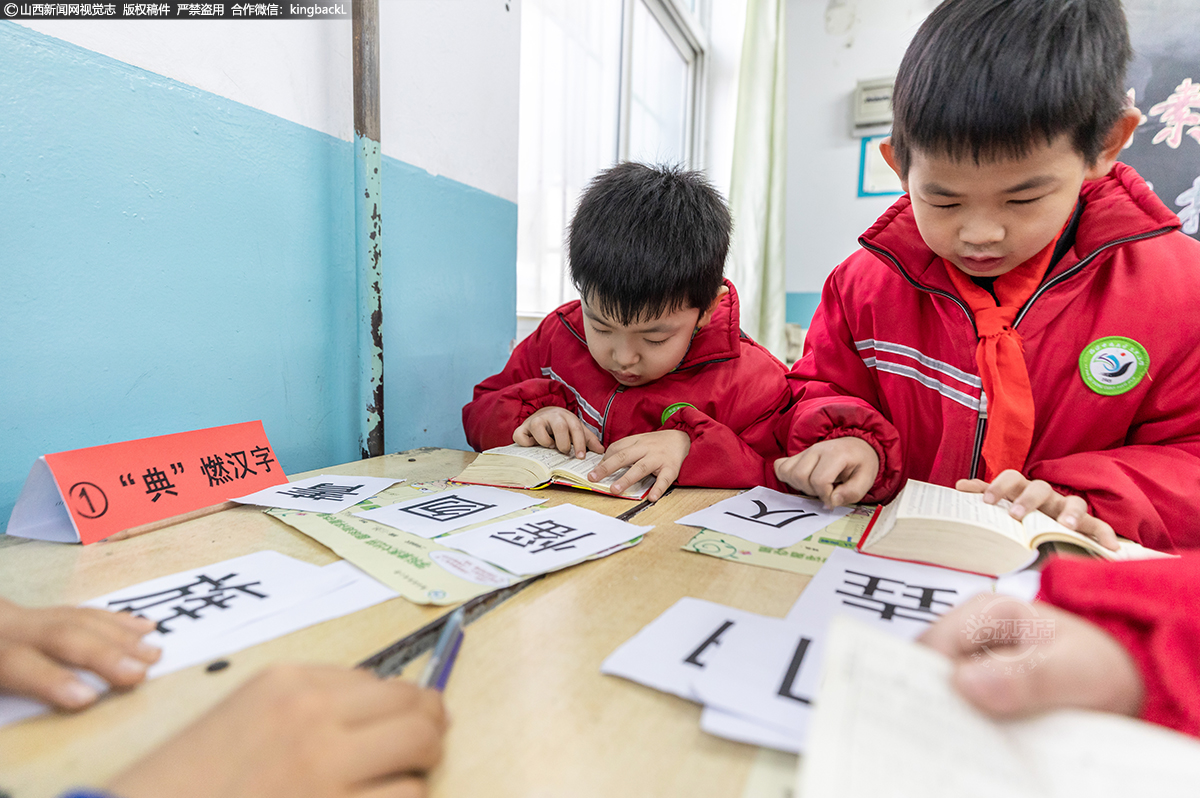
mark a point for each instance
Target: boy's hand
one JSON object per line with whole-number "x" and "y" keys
{"x": 557, "y": 428}
{"x": 838, "y": 471}
{"x": 300, "y": 732}
{"x": 1026, "y": 495}
{"x": 38, "y": 648}
{"x": 660, "y": 453}
{"x": 1081, "y": 666}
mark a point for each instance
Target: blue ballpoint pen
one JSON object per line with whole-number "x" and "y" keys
{"x": 445, "y": 651}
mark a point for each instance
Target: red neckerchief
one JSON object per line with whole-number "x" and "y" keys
{"x": 1001, "y": 359}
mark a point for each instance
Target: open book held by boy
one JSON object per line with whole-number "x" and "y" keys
{"x": 1018, "y": 324}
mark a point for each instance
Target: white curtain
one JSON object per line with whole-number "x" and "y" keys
{"x": 757, "y": 185}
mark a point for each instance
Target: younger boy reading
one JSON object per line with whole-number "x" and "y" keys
{"x": 650, "y": 366}
{"x": 1024, "y": 313}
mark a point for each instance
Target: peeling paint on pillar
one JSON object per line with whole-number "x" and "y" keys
{"x": 368, "y": 223}
{"x": 369, "y": 234}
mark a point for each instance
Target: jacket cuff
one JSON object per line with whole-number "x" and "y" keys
{"x": 556, "y": 396}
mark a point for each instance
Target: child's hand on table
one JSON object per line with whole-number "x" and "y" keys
{"x": 661, "y": 453}
{"x": 1081, "y": 666}
{"x": 838, "y": 471}
{"x": 39, "y": 647}
{"x": 300, "y": 731}
{"x": 1026, "y": 495}
{"x": 557, "y": 428}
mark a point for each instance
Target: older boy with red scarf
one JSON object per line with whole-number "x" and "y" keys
{"x": 1020, "y": 322}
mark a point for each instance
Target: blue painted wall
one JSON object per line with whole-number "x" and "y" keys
{"x": 170, "y": 260}
{"x": 801, "y": 305}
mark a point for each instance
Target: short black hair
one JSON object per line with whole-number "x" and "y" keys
{"x": 648, "y": 240}
{"x": 990, "y": 79}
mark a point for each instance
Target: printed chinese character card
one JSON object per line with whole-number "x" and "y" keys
{"x": 430, "y": 516}
{"x": 673, "y": 649}
{"x": 195, "y": 608}
{"x": 766, "y": 517}
{"x": 327, "y": 493}
{"x": 546, "y": 540}
{"x": 805, "y": 557}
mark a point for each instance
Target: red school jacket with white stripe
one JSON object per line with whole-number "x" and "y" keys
{"x": 727, "y": 394}
{"x": 1112, "y": 345}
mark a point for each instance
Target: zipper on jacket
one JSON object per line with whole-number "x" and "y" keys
{"x": 884, "y": 253}
{"x": 980, "y": 428}
{"x": 607, "y": 407}
{"x": 981, "y": 424}
{"x": 1071, "y": 272}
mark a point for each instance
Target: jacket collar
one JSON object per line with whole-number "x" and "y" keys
{"x": 1116, "y": 208}
{"x": 718, "y": 340}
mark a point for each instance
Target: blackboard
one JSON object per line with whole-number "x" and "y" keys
{"x": 1164, "y": 79}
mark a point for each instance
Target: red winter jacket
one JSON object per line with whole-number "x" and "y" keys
{"x": 890, "y": 357}
{"x": 1152, "y": 608}
{"x": 735, "y": 387}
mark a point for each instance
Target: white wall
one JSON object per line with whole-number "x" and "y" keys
{"x": 863, "y": 39}
{"x": 445, "y": 106}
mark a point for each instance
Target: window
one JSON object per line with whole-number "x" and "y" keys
{"x": 601, "y": 81}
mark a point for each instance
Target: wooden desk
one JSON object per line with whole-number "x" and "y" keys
{"x": 532, "y": 713}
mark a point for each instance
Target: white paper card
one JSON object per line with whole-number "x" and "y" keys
{"x": 673, "y": 649}
{"x": 901, "y": 598}
{"x": 328, "y": 493}
{"x": 40, "y": 512}
{"x": 545, "y": 540}
{"x": 351, "y": 590}
{"x": 766, "y": 517}
{"x": 741, "y": 729}
{"x": 439, "y": 513}
{"x": 319, "y": 594}
{"x": 758, "y": 677}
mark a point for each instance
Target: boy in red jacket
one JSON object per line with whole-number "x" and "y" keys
{"x": 1018, "y": 323}
{"x": 650, "y": 368}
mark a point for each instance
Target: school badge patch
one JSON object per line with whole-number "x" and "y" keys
{"x": 1113, "y": 365}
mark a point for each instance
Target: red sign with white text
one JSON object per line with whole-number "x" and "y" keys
{"x": 106, "y": 489}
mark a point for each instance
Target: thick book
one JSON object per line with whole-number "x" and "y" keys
{"x": 532, "y": 467}
{"x": 943, "y": 526}
{"x": 888, "y": 722}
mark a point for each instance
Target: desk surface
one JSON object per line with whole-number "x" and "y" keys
{"x": 532, "y": 712}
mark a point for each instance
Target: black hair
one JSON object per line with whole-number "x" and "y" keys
{"x": 648, "y": 240}
{"x": 990, "y": 79}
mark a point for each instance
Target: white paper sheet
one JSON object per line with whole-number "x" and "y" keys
{"x": 439, "y": 513}
{"x": 324, "y": 593}
{"x": 741, "y": 729}
{"x": 544, "y": 541}
{"x": 890, "y": 723}
{"x": 328, "y": 493}
{"x": 901, "y": 598}
{"x": 758, "y": 676}
{"x": 766, "y": 517}
{"x": 673, "y": 649}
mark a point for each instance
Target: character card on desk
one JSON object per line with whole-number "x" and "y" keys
{"x": 675, "y": 648}
{"x": 766, "y": 517}
{"x": 327, "y": 493}
{"x": 439, "y": 513}
{"x": 545, "y": 540}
